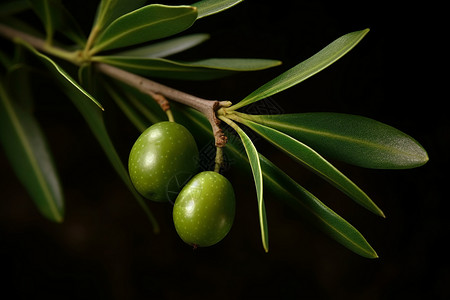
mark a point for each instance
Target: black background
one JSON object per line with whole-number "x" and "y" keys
{"x": 105, "y": 248}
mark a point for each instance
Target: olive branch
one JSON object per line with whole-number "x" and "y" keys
{"x": 308, "y": 138}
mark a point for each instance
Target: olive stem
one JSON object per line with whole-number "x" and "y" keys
{"x": 170, "y": 115}
{"x": 219, "y": 159}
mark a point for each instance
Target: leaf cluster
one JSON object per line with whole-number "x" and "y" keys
{"x": 141, "y": 38}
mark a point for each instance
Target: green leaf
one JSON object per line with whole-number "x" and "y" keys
{"x": 20, "y": 25}
{"x": 55, "y": 17}
{"x": 315, "y": 162}
{"x": 60, "y": 74}
{"x": 27, "y": 150}
{"x": 210, "y": 7}
{"x": 95, "y": 121}
{"x": 18, "y": 80}
{"x": 352, "y": 139}
{"x": 145, "y": 24}
{"x": 199, "y": 70}
{"x": 305, "y": 69}
{"x": 284, "y": 188}
{"x": 126, "y": 108}
{"x": 43, "y": 10}
{"x": 86, "y": 104}
{"x": 109, "y": 10}
{"x": 143, "y": 103}
{"x": 167, "y": 48}
{"x": 86, "y": 76}
{"x": 253, "y": 158}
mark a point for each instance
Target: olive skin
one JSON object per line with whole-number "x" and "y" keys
{"x": 163, "y": 158}
{"x": 204, "y": 210}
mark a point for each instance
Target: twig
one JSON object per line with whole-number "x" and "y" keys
{"x": 40, "y": 44}
{"x": 147, "y": 86}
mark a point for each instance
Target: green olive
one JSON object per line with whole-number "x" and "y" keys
{"x": 204, "y": 210}
{"x": 162, "y": 160}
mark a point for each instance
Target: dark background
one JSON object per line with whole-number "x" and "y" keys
{"x": 105, "y": 249}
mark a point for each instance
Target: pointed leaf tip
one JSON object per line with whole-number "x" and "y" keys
{"x": 309, "y": 158}
{"x": 309, "y": 67}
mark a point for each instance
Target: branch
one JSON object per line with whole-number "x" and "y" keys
{"x": 147, "y": 86}
{"x": 38, "y": 43}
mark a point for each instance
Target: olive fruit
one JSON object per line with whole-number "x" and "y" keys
{"x": 204, "y": 210}
{"x": 163, "y": 158}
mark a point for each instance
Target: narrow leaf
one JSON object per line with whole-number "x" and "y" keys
{"x": 55, "y": 17}
{"x": 109, "y": 10}
{"x": 126, "y": 108}
{"x": 143, "y": 103}
{"x": 305, "y": 69}
{"x": 284, "y": 188}
{"x": 145, "y": 24}
{"x": 42, "y": 9}
{"x": 94, "y": 119}
{"x": 210, "y": 7}
{"x": 253, "y": 158}
{"x": 352, "y": 139}
{"x": 19, "y": 24}
{"x": 18, "y": 80}
{"x": 167, "y": 48}
{"x": 61, "y": 75}
{"x": 86, "y": 104}
{"x": 314, "y": 161}
{"x": 199, "y": 70}
{"x": 27, "y": 150}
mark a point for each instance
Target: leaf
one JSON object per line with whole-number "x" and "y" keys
{"x": 20, "y": 25}
{"x": 352, "y": 139}
{"x": 126, "y": 108}
{"x": 95, "y": 121}
{"x": 145, "y": 24}
{"x": 143, "y": 103}
{"x": 18, "y": 80}
{"x": 199, "y": 70}
{"x": 305, "y": 69}
{"x": 210, "y": 7}
{"x": 86, "y": 104}
{"x": 27, "y": 150}
{"x": 55, "y": 17}
{"x": 43, "y": 10}
{"x": 311, "y": 159}
{"x": 167, "y": 48}
{"x": 284, "y": 188}
{"x": 61, "y": 75}
{"x": 253, "y": 158}
{"x": 109, "y": 10}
